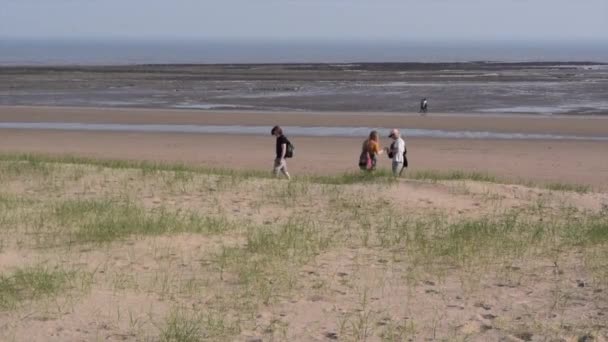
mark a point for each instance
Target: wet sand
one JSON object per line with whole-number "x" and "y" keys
{"x": 579, "y": 162}
{"x": 475, "y": 87}
{"x": 564, "y": 125}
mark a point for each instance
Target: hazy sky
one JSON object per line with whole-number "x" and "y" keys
{"x": 300, "y": 19}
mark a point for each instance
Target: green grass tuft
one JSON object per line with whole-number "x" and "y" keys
{"x": 186, "y": 325}
{"x": 581, "y": 189}
{"x": 108, "y": 220}
{"x": 37, "y": 161}
{"x": 44, "y": 162}
{"x": 297, "y": 239}
{"x": 378, "y": 176}
{"x": 182, "y": 326}
{"x": 32, "y": 283}
{"x": 452, "y": 175}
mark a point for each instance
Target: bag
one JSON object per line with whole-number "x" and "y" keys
{"x": 391, "y": 150}
{"x": 365, "y": 160}
{"x": 290, "y": 149}
{"x": 405, "y": 163}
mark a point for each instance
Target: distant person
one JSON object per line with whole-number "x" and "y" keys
{"x": 397, "y": 152}
{"x": 369, "y": 152}
{"x": 424, "y": 105}
{"x": 284, "y": 149}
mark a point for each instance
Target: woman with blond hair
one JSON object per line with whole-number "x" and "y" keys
{"x": 369, "y": 152}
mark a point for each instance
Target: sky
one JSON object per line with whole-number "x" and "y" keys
{"x": 547, "y": 20}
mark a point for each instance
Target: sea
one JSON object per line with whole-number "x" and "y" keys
{"x": 179, "y": 51}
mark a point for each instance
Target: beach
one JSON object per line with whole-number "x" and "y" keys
{"x": 141, "y": 197}
{"x": 537, "y": 160}
{"x": 129, "y": 224}
{"x": 544, "y": 88}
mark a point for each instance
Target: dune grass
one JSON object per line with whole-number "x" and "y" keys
{"x": 32, "y": 283}
{"x": 43, "y": 164}
{"x": 187, "y": 325}
{"x": 108, "y": 220}
{"x": 182, "y": 325}
{"x": 579, "y": 188}
{"x": 378, "y": 176}
{"x": 265, "y": 231}
{"x": 510, "y": 236}
{"x": 434, "y": 175}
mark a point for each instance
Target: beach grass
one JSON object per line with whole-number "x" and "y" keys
{"x": 43, "y": 164}
{"x": 108, "y": 220}
{"x": 434, "y": 175}
{"x": 31, "y": 283}
{"x": 222, "y": 254}
{"x": 579, "y": 188}
{"x": 187, "y": 325}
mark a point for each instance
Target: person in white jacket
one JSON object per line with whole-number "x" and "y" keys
{"x": 396, "y": 151}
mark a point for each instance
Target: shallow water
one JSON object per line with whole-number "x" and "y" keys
{"x": 318, "y": 131}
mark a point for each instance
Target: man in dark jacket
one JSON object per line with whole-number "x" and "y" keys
{"x": 280, "y": 164}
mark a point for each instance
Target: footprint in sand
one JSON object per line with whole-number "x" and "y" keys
{"x": 488, "y": 316}
{"x": 453, "y": 306}
{"x": 482, "y": 305}
{"x": 316, "y": 298}
{"x": 384, "y": 321}
{"x": 471, "y": 327}
{"x": 331, "y": 335}
{"x": 524, "y": 335}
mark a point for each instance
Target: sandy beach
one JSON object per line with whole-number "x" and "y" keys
{"x": 544, "y": 161}
{"x": 129, "y": 252}
{"x": 554, "y": 124}
{"x": 140, "y": 201}
{"x": 117, "y": 251}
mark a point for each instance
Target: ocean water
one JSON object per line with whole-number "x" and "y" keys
{"x": 119, "y": 52}
{"x": 293, "y": 131}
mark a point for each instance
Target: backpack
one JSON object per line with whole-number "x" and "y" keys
{"x": 290, "y": 149}
{"x": 365, "y": 161}
{"x": 390, "y": 153}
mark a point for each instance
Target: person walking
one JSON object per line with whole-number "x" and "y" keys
{"x": 369, "y": 152}
{"x": 423, "y": 106}
{"x": 397, "y": 152}
{"x": 282, "y": 146}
